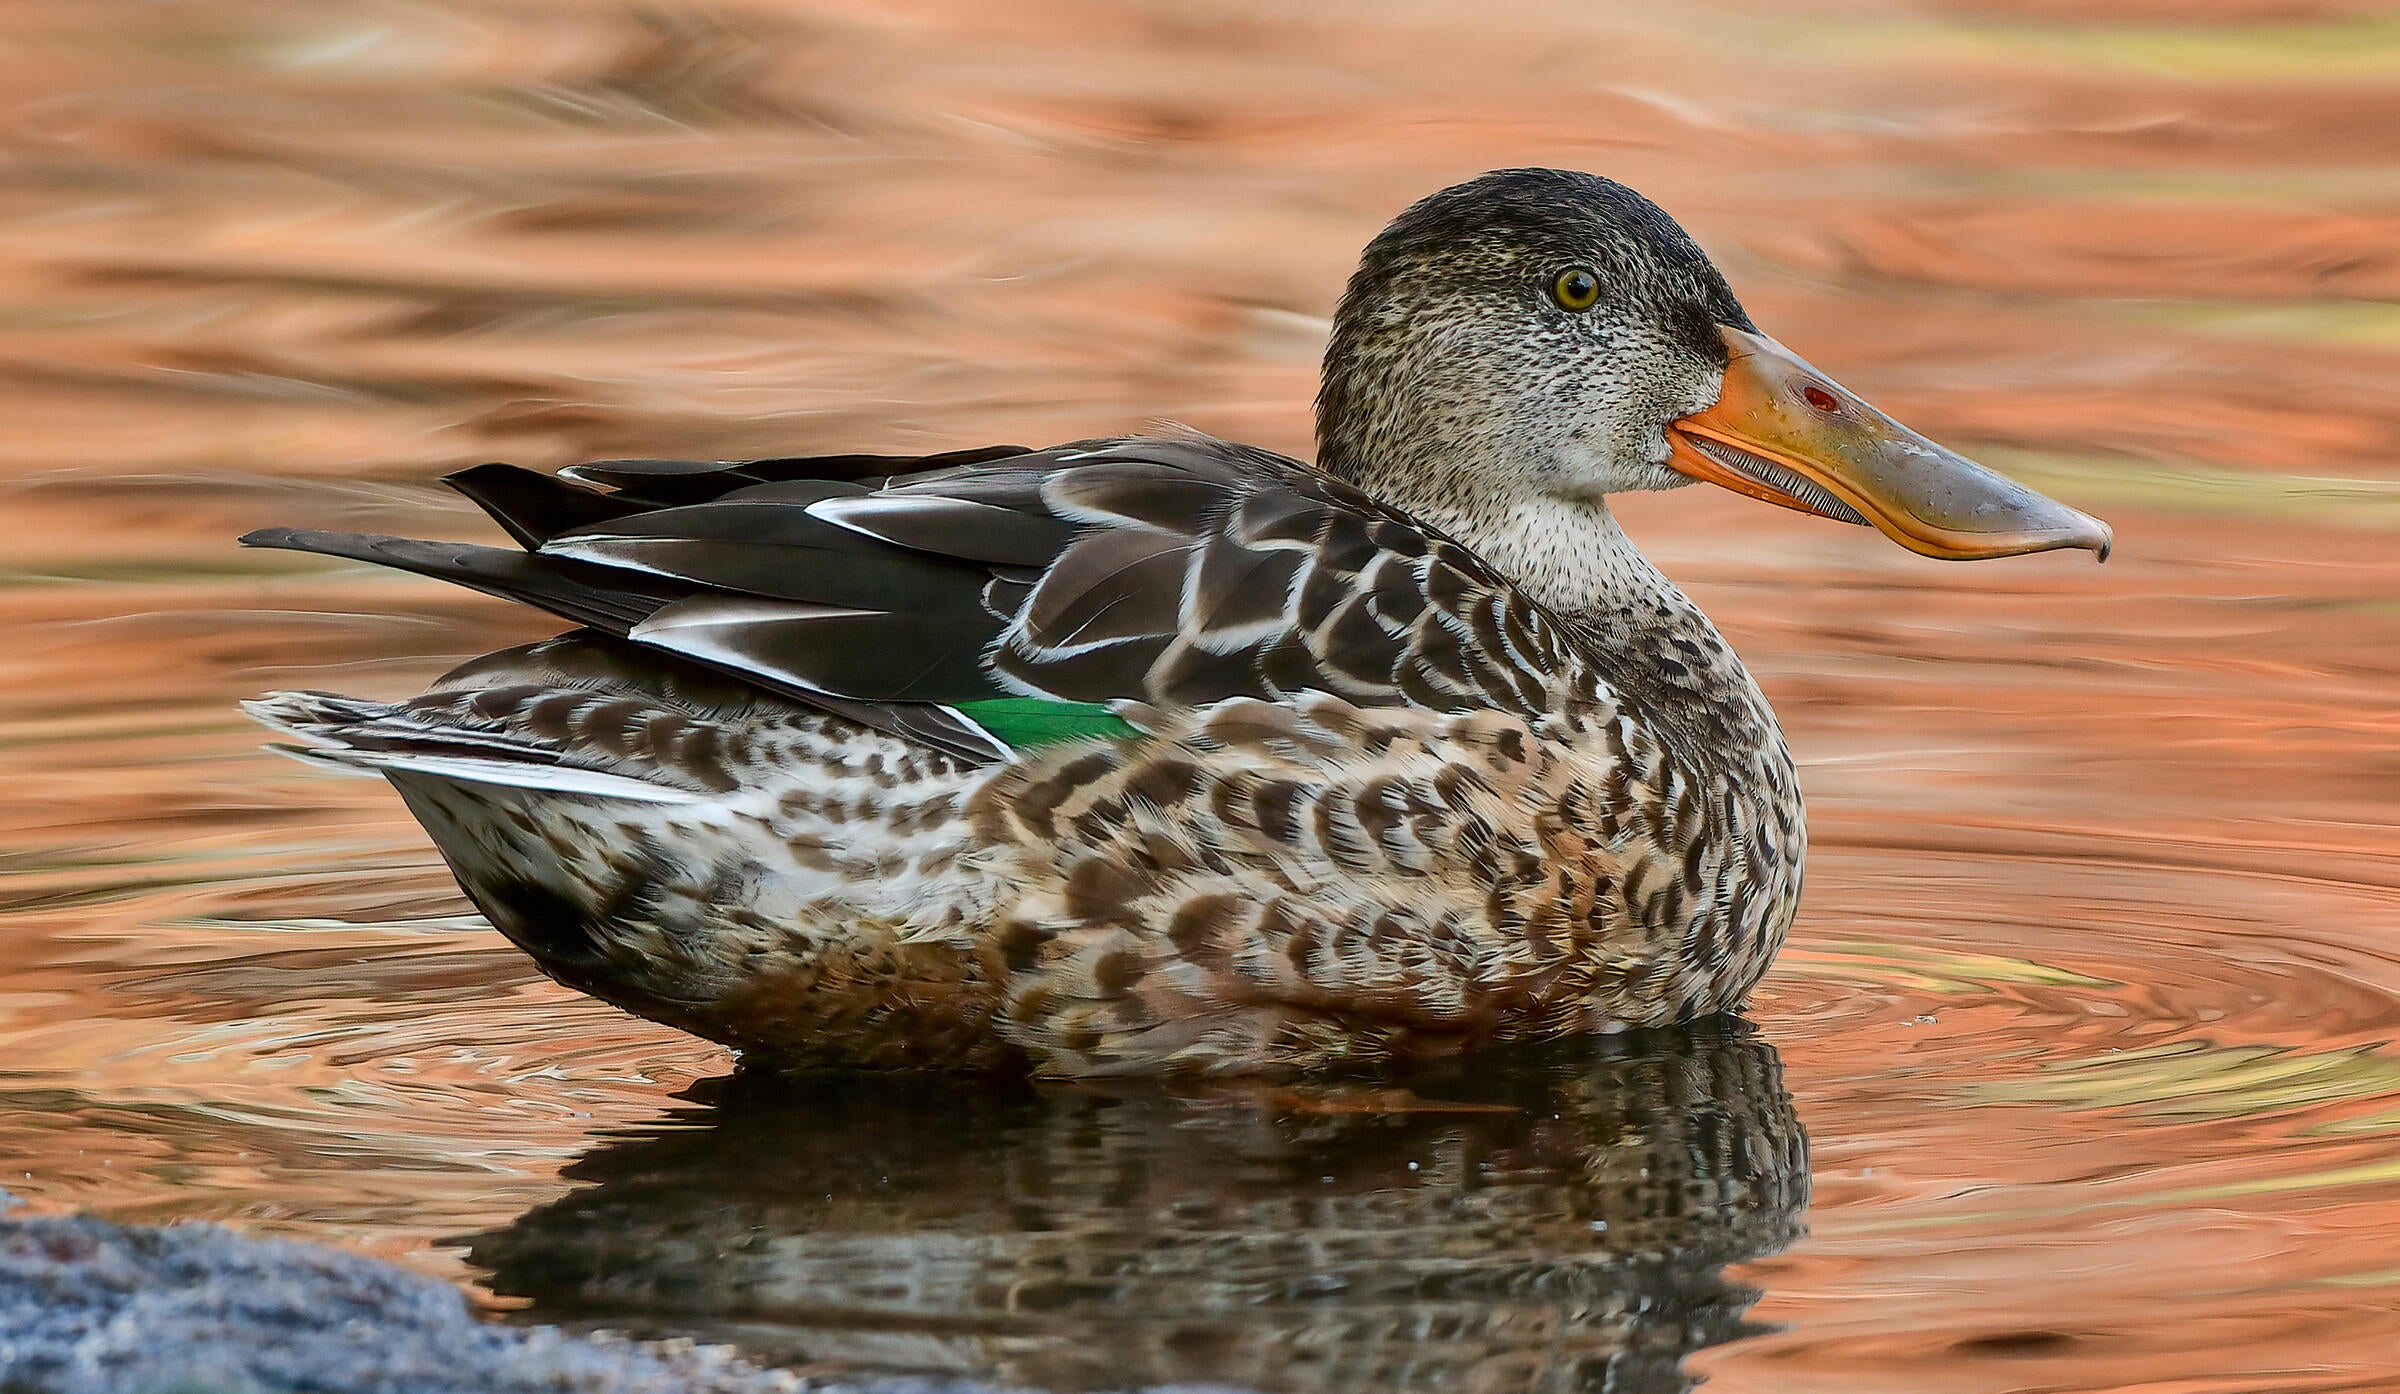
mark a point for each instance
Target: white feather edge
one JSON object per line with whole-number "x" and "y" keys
{"x": 997, "y": 746}
{"x": 552, "y": 779}
{"x": 859, "y": 513}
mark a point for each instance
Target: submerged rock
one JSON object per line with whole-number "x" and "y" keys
{"x": 90, "y": 1307}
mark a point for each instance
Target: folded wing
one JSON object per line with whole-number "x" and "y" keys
{"x": 895, "y": 591}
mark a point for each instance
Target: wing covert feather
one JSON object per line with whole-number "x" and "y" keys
{"x": 1171, "y": 573}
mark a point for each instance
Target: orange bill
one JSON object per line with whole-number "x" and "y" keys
{"x": 1784, "y": 432}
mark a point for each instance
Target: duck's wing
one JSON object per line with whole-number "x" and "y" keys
{"x": 1171, "y": 573}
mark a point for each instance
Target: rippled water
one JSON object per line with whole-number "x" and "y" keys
{"x": 2088, "y": 1023}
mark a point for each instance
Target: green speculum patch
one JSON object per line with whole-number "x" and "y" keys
{"x": 1022, "y": 723}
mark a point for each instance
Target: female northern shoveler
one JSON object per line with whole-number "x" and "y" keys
{"x": 1175, "y": 755}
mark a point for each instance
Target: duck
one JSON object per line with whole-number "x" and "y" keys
{"x": 1166, "y": 755}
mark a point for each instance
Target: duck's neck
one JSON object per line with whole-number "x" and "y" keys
{"x": 1650, "y": 642}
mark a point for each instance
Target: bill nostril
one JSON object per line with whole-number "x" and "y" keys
{"x": 1820, "y": 398}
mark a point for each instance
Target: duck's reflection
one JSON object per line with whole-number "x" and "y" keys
{"x": 1559, "y": 1226}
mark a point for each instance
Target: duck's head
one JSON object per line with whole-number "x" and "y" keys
{"x": 1539, "y": 334}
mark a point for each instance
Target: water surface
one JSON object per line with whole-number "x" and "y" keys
{"x": 2088, "y": 1019}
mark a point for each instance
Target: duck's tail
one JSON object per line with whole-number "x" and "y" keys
{"x": 587, "y": 814}
{"x": 690, "y": 849}
{"x": 352, "y": 735}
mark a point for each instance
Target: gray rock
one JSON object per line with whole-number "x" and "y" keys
{"x": 90, "y": 1307}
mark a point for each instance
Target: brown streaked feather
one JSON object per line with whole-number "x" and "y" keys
{"x": 1170, "y": 496}
{"x": 1111, "y": 585}
{"x": 966, "y": 529}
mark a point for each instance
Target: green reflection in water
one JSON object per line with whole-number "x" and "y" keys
{"x": 1923, "y": 968}
{"x": 2339, "y": 323}
{"x": 2304, "y": 51}
{"x": 2199, "y": 1079}
{"x": 2102, "y": 480}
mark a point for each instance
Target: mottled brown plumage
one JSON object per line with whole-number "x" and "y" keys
{"x": 1336, "y": 766}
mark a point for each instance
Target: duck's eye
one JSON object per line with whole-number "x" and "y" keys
{"x": 1576, "y": 289}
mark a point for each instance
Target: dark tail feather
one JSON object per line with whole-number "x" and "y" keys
{"x": 605, "y": 598}
{"x": 670, "y": 483}
{"x": 613, "y": 601}
{"x": 537, "y": 507}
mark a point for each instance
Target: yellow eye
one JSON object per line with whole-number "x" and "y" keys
{"x": 1576, "y": 289}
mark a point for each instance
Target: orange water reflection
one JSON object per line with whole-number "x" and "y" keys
{"x": 2089, "y": 1012}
